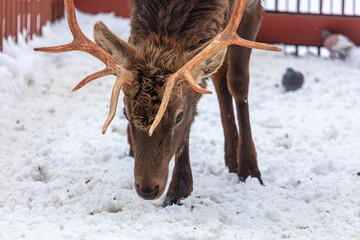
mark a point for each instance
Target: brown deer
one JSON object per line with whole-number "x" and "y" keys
{"x": 174, "y": 46}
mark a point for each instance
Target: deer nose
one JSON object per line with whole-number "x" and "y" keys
{"x": 147, "y": 193}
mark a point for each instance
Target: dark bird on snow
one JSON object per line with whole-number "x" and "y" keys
{"x": 292, "y": 80}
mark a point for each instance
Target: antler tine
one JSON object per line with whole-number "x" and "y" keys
{"x": 92, "y": 77}
{"x": 167, "y": 93}
{"x": 228, "y": 37}
{"x": 82, "y": 43}
{"x": 113, "y": 102}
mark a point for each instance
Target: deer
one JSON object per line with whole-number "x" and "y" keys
{"x": 162, "y": 70}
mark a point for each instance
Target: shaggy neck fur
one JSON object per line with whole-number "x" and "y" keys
{"x": 164, "y": 33}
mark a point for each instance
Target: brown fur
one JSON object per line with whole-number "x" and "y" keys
{"x": 165, "y": 34}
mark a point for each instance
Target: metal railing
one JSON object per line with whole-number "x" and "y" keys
{"x": 31, "y": 15}
{"x": 27, "y": 15}
{"x": 330, "y": 7}
{"x": 299, "y": 23}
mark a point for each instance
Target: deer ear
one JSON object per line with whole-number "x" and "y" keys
{"x": 209, "y": 66}
{"x": 116, "y": 47}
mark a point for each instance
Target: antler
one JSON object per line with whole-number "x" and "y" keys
{"x": 225, "y": 38}
{"x": 82, "y": 43}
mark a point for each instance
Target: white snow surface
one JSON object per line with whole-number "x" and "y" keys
{"x": 353, "y": 57}
{"x": 60, "y": 178}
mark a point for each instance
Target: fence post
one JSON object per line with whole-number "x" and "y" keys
{"x": 32, "y": 17}
{"x": 8, "y": 6}
{"x": 18, "y": 18}
{"x": 62, "y": 8}
{"x": 45, "y": 6}
{"x": 14, "y": 20}
{"x": 2, "y": 20}
{"x": 53, "y": 10}
{"x": 27, "y": 17}
{"x": 22, "y": 15}
{"x": 57, "y": 15}
{"x": 321, "y": 7}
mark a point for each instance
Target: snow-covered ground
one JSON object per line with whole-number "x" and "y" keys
{"x": 60, "y": 178}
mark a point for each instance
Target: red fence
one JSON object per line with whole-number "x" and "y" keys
{"x": 29, "y": 15}
{"x": 301, "y": 22}
{"x": 291, "y": 22}
{"x": 119, "y": 7}
{"x": 330, "y": 7}
{"x": 306, "y": 29}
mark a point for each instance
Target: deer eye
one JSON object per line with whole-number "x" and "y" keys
{"x": 179, "y": 117}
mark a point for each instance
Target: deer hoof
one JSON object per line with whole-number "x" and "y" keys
{"x": 254, "y": 173}
{"x": 243, "y": 179}
{"x": 233, "y": 166}
{"x": 171, "y": 201}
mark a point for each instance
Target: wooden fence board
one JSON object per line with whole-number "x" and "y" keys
{"x": 8, "y": 16}
{"x": 53, "y": 10}
{"x": 306, "y": 29}
{"x": 277, "y": 27}
{"x": 32, "y": 17}
{"x": 2, "y": 21}
{"x": 58, "y": 8}
{"x": 38, "y": 16}
{"x": 119, "y": 7}
{"x": 61, "y": 7}
{"x": 18, "y": 17}
{"x": 13, "y": 19}
{"x": 23, "y": 15}
{"x": 28, "y": 15}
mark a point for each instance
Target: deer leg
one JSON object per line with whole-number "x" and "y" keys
{"x": 181, "y": 184}
{"x": 238, "y": 83}
{"x": 131, "y": 151}
{"x": 227, "y": 117}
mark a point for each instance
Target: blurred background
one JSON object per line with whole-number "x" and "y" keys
{"x": 299, "y": 24}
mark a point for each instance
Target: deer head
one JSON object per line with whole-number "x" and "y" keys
{"x": 152, "y": 64}
{"x": 162, "y": 84}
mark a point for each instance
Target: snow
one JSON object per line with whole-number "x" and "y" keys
{"x": 60, "y": 178}
{"x": 353, "y": 57}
